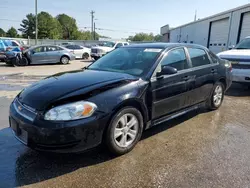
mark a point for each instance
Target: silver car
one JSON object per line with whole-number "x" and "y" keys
{"x": 48, "y": 54}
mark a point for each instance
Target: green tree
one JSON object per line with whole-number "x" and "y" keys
{"x": 48, "y": 27}
{"x": 145, "y": 37}
{"x": 28, "y": 26}
{"x": 69, "y": 27}
{"x": 12, "y": 32}
{"x": 2, "y": 33}
{"x": 158, "y": 38}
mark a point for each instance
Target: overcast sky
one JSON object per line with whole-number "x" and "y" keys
{"x": 124, "y": 16}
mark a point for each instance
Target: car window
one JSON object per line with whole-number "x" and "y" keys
{"x": 125, "y": 44}
{"x": 198, "y": 57}
{"x": 244, "y": 44}
{"x": 51, "y": 48}
{"x": 72, "y": 47}
{"x": 118, "y": 45}
{"x": 59, "y": 48}
{"x": 77, "y": 47}
{"x": 176, "y": 58}
{"x": 134, "y": 61}
{"x": 14, "y": 43}
{"x": 39, "y": 49}
{"x": 213, "y": 57}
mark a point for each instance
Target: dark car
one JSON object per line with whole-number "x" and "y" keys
{"x": 119, "y": 96}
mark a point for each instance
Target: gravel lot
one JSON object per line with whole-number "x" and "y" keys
{"x": 200, "y": 149}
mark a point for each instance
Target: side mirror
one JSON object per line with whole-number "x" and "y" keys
{"x": 33, "y": 52}
{"x": 231, "y": 47}
{"x": 166, "y": 70}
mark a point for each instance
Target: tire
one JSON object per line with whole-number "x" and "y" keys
{"x": 216, "y": 99}
{"x": 85, "y": 56}
{"x": 23, "y": 61}
{"x": 126, "y": 138}
{"x": 64, "y": 60}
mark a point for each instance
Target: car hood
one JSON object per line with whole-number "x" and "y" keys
{"x": 235, "y": 54}
{"x": 45, "y": 92}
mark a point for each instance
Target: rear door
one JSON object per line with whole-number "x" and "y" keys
{"x": 204, "y": 71}
{"x": 53, "y": 54}
{"x": 78, "y": 51}
{"x": 169, "y": 92}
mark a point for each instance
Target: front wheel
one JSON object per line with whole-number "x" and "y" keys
{"x": 64, "y": 60}
{"x": 85, "y": 56}
{"x": 124, "y": 131}
{"x": 215, "y": 101}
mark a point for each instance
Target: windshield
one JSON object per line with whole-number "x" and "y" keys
{"x": 134, "y": 61}
{"x": 244, "y": 44}
{"x": 108, "y": 44}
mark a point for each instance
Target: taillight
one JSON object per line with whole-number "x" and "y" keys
{"x": 22, "y": 48}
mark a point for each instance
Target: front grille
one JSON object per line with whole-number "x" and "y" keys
{"x": 24, "y": 110}
{"x": 94, "y": 50}
{"x": 241, "y": 66}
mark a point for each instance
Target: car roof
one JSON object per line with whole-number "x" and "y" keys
{"x": 163, "y": 45}
{"x": 45, "y": 45}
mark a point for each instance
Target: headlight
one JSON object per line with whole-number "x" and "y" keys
{"x": 101, "y": 51}
{"x": 72, "y": 111}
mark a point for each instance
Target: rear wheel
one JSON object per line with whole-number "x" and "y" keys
{"x": 85, "y": 56}
{"x": 215, "y": 101}
{"x": 64, "y": 60}
{"x": 124, "y": 131}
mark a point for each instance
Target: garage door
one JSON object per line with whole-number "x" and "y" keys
{"x": 245, "y": 27}
{"x": 219, "y": 35}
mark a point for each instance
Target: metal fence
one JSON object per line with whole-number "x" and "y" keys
{"x": 32, "y": 42}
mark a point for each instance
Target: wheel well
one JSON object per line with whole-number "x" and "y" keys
{"x": 65, "y": 56}
{"x": 223, "y": 81}
{"x": 136, "y": 104}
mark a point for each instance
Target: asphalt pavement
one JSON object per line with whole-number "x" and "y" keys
{"x": 200, "y": 149}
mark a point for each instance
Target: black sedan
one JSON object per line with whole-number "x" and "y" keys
{"x": 116, "y": 98}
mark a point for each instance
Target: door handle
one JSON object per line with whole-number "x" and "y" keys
{"x": 186, "y": 78}
{"x": 213, "y": 71}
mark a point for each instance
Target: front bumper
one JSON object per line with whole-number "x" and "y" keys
{"x": 96, "y": 55}
{"x": 241, "y": 75}
{"x": 60, "y": 137}
{"x": 72, "y": 57}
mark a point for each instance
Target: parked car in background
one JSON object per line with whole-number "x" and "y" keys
{"x": 104, "y": 48}
{"x": 67, "y": 43}
{"x": 79, "y": 51}
{"x": 46, "y": 54}
{"x": 8, "y": 45}
{"x": 19, "y": 44}
{"x": 119, "y": 96}
{"x": 239, "y": 57}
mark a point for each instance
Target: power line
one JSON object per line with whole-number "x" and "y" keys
{"x": 9, "y": 20}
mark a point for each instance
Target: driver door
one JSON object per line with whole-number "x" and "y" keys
{"x": 169, "y": 92}
{"x": 39, "y": 55}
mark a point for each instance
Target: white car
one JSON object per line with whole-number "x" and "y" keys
{"x": 80, "y": 52}
{"x": 239, "y": 57}
{"x": 104, "y": 48}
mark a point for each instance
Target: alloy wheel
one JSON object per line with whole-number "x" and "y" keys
{"x": 217, "y": 97}
{"x": 65, "y": 60}
{"x": 126, "y": 130}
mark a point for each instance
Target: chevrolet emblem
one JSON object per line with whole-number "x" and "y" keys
{"x": 19, "y": 108}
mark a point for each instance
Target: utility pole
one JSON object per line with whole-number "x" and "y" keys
{"x": 94, "y": 30}
{"x": 36, "y": 20}
{"x": 92, "y": 23}
{"x": 195, "y": 15}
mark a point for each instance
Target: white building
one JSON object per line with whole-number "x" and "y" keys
{"x": 217, "y": 32}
